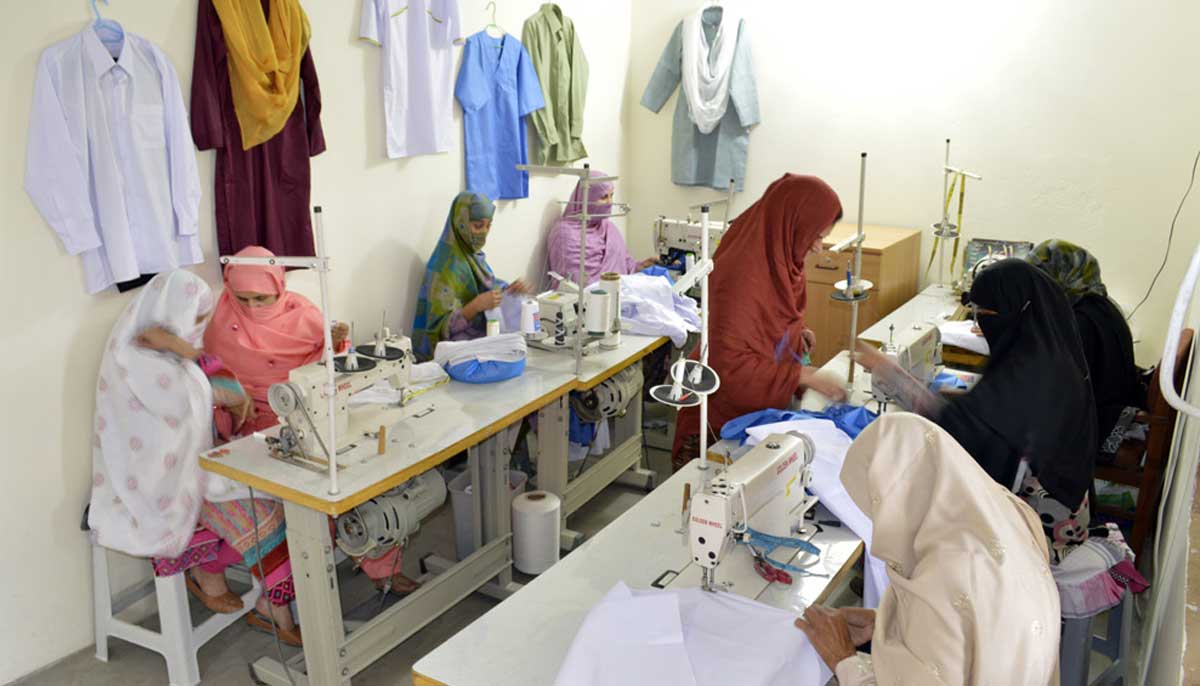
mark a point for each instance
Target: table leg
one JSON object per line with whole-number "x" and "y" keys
{"x": 552, "y": 460}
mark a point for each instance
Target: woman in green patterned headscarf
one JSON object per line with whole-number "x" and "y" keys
{"x": 459, "y": 285}
{"x": 1107, "y": 342}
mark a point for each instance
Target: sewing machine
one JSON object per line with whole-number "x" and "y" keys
{"x": 921, "y": 357}
{"x": 763, "y": 490}
{"x": 558, "y": 311}
{"x": 302, "y": 403}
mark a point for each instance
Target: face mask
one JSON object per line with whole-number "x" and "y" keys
{"x": 477, "y": 241}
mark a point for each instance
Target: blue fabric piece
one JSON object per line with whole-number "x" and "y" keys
{"x": 850, "y": 419}
{"x": 659, "y": 270}
{"x": 947, "y": 380}
{"x": 497, "y": 87}
{"x": 767, "y": 544}
{"x": 580, "y": 432}
{"x": 490, "y": 371}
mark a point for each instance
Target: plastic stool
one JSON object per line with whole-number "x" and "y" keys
{"x": 1078, "y": 642}
{"x": 177, "y": 641}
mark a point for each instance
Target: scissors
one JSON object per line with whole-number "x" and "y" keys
{"x": 767, "y": 570}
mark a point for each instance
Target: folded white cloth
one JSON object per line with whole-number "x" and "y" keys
{"x": 960, "y": 335}
{"x": 507, "y": 347}
{"x": 688, "y": 637}
{"x": 424, "y": 376}
{"x": 649, "y": 307}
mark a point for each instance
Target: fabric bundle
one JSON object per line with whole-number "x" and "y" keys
{"x": 483, "y": 360}
{"x": 649, "y": 307}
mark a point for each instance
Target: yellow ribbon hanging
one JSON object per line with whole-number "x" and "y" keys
{"x": 937, "y": 240}
{"x": 962, "y": 197}
{"x": 264, "y": 63}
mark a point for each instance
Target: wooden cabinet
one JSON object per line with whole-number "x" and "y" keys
{"x": 890, "y": 260}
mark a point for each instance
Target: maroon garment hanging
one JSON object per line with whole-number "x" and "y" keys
{"x": 261, "y": 194}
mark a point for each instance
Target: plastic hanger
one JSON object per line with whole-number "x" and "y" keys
{"x": 108, "y": 31}
{"x": 493, "y": 24}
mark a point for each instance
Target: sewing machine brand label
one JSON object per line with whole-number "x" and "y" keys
{"x": 345, "y": 386}
{"x": 786, "y": 463}
{"x": 705, "y": 522}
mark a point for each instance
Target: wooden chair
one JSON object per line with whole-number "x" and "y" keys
{"x": 1129, "y": 469}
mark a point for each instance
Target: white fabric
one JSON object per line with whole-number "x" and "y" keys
{"x": 650, "y": 308}
{"x": 688, "y": 638}
{"x": 1085, "y": 588}
{"x": 707, "y": 66}
{"x": 601, "y": 442}
{"x": 832, "y": 444}
{"x": 110, "y": 162}
{"x": 423, "y": 377}
{"x": 507, "y": 347}
{"x": 959, "y": 335}
{"x": 417, "y": 71}
{"x": 153, "y": 419}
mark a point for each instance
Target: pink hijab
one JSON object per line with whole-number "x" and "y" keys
{"x": 605, "y": 248}
{"x": 261, "y": 345}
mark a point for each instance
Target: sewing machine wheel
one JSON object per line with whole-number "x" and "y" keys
{"x": 283, "y": 398}
{"x": 368, "y": 350}
{"x": 364, "y": 364}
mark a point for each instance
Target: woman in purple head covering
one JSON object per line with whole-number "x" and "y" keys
{"x": 605, "y": 248}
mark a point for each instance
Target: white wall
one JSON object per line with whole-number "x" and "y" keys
{"x": 1078, "y": 115}
{"x": 382, "y": 217}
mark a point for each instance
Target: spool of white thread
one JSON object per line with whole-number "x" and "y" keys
{"x": 536, "y": 522}
{"x": 596, "y": 312}
{"x": 611, "y": 283}
{"x": 531, "y": 320}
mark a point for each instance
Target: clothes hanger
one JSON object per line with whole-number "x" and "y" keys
{"x": 493, "y": 25}
{"x": 108, "y": 31}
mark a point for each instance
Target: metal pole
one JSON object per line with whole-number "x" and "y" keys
{"x": 330, "y": 382}
{"x": 586, "y": 187}
{"x": 862, "y": 186}
{"x": 945, "y": 211}
{"x": 704, "y": 304}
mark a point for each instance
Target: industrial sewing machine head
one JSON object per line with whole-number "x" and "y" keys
{"x": 763, "y": 490}
{"x": 921, "y": 357}
{"x": 303, "y": 406}
{"x": 679, "y": 244}
{"x": 565, "y": 313}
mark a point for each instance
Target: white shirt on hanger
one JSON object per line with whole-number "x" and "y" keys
{"x": 418, "y": 85}
{"x": 110, "y": 162}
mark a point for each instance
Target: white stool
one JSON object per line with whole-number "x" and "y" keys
{"x": 1078, "y": 642}
{"x": 177, "y": 641}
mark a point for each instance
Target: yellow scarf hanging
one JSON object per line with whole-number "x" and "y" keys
{"x": 264, "y": 63}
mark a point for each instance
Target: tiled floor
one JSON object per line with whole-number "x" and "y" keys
{"x": 225, "y": 660}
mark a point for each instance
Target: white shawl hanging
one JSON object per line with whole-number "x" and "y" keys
{"x": 705, "y": 80}
{"x": 153, "y": 419}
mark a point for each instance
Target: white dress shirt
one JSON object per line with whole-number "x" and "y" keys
{"x": 418, "y": 61}
{"x": 110, "y": 162}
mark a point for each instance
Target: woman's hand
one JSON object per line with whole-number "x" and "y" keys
{"x": 158, "y": 338}
{"x": 518, "y": 287}
{"x": 869, "y": 356}
{"x": 861, "y": 623}
{"x": 829, "y": 633}
{"x": 810, "y": 340}
{"x": 647, "y": 263}
{"x": 824, "y": 383}
{"x": 339, "y": 332}
{"x": 482, "y": 302}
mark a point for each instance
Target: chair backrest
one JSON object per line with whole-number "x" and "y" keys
{"x": 1162, "y": 414}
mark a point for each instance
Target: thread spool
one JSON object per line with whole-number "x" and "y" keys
{"x": 596, "y": 312}
{"x": 531, "y": 319}
{"x": 536, "y": 522}
{"x": 611, "y": 283}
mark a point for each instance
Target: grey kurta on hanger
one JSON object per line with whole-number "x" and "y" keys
{"x": 699, "y": 159}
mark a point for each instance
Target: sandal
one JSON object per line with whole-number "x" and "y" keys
{"x": 401, "y": 585}
{"x": 226, "y": 604}
{"x": 289, "y": 637}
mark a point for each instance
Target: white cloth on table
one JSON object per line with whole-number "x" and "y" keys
{"x": 417, "y": 71}
{"x": 960, "y": 335}
{"x": 831, "y": 444}
{"x": 422, "y": 377}
{"x": 688, "y": 638}
{"x": 650, "y": 308}
{"x": 507, "y": 347}
{"x": 110, "y": 162}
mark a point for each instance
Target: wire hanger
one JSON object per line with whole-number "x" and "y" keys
{"x": 493, "y": 25}
{"x": 108, "y": 31}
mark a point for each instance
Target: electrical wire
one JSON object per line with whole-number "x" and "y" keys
{"x": 1170, "y": 237}
{"x": 262, "y": 575}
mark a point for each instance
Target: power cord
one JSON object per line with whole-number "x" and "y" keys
{"x": 262, "y": 575}
{"x": 1170, "y": 236}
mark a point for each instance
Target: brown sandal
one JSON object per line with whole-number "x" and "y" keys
{"x": 289, "y": 637}
{"x": 221, "y": 604}
{"x": 401, "y": 584}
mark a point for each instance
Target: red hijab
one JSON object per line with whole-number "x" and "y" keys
{"x": 758, "y": 294}
{"x": 261, "y": 345}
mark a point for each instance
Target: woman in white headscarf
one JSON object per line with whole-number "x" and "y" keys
{"x": 972, "y": 599}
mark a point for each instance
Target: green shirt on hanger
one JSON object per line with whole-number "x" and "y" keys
{"x": 562, "y": 70}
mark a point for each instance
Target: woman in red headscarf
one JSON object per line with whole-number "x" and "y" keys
{"x": 757, "y": 294}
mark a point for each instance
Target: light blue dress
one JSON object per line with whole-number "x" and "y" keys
{"x": 497, "y": 86}
{"x": 698, "y": 159}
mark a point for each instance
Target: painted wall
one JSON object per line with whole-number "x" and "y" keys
{"x": 1074, "y": 113}
{"x": 383, "y": 218}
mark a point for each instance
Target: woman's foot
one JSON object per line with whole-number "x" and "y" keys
{"x": 401, "y": 585}
{"x": 282, "y": 614}
{"x": 212, "y": 591}
{"x": 284, "y": 626}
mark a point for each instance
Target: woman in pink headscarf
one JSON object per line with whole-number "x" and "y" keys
{"x": 605, "y": 249}
{"x": 262, "y": 331}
